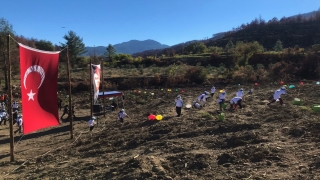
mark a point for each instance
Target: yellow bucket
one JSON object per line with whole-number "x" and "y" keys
{"x": 159, "y": 117}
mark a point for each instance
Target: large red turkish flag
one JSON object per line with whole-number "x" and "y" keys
{"x": 39, "y": 76}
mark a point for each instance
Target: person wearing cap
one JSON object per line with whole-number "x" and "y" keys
{"x": 277, "y": 95}
{"x": 3, "y": 106}
{"x": 203, "y": 98}
{"x": 213, "y": 90}
{"x": 19, "y": 124}
{"x": 122, "y": 115}
{"x": 3, "y": 116}
{"x": 234, "y": 102}
{"x": 240, "y": 93}
{"x": 15, "y": 106}
{"x": 221, "y": 99}
{"x": 178, "y": 103}
{"x": 92, "y": 122}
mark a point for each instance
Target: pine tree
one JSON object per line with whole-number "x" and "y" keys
{"x": 75, "y": 45}
{"x": 278, "y": 46}
{"x": 110, "y": 53}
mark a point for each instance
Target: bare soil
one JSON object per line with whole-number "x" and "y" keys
{"x": 257, "y": 142}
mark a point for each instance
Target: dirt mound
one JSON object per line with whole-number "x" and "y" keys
{"x": 257, "y": 142}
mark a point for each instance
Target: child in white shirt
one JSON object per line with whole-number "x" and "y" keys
{"x": 277, "y": 95}
{"x": 91, "y": 123}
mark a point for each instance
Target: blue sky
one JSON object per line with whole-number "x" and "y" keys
{"x": 103, "y": 22}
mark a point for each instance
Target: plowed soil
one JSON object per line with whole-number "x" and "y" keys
{"x": 256, "y": 142}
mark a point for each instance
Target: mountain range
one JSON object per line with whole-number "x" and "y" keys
{"x": 136, "y": 46}
{"x": 130, "y": 47}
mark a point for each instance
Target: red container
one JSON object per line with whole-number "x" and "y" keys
{"x": 152, "y": 117}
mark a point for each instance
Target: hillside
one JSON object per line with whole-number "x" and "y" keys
{"x": 301, "y": 30}
{"x": 257, "y": 142}
{"x": 307, "y": 15}
{"x": 303, "y": 34}
{"x": 129, "y": 47}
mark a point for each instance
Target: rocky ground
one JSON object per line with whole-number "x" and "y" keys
{"x": 257, "y": 142}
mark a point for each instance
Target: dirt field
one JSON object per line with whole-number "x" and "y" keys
{"x": 257, "y": 142}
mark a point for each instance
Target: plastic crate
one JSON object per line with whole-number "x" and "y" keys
{"x": 316, "y": 108}
{"x": 297, "y": 101}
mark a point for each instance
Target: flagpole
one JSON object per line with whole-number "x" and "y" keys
{"x": 91, "y": 100}
{"x": 102, "y": 83}
{"x": 10, "y": 101}
{"x": 69, "y": 92}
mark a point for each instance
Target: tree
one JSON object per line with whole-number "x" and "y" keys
{"x": 196, "y": 48}
{"x": 278, "y": 46}
{"x": 5, "y": 29}
{"x": 110, "y": 53}
{"x": 214, "y": 49}
{"x": 315, "y": 48}
{"x": 230, "y": 46}
{"x": 75, "y": 45}
{"x": 44, "y": 45}
{"x": 244, "y": 51}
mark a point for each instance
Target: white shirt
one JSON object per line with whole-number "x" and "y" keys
{"x": 3, "y": 115}
{"x": 122, "y": 114}
{"x": 91, "y": 122}
{"x": 222, "y": 96}
{"x": 179, "y": 102}
{"x": 278, "y": 94}
{"x": 235, "y": 100}
{"x": 197, "y": 105}
{"x": 213, "y": 89}
{"x": 19, "y": 121}
{"x": 239, "y": 93}
{"x": 202, "y": 97}
{"x": 15, "y": 105}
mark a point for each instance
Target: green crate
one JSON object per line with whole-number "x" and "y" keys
{"x": 297, "y": 101}
{"x": 316, "y": 108}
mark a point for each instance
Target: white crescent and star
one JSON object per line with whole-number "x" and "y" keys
{"x": 37, "y": 69}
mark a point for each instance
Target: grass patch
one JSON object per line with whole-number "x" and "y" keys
{"x": 206, "y": 115}
{"x": 305, "y": 108}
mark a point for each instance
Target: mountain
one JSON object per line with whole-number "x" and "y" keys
{"x": 307, "y": 15}
{"x": 129, "y": 47}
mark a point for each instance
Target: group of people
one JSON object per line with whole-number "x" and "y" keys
{"x": 234, "y": 102}
{"x": 202, "y": 99}
{"x": 17, "y": 118}
{"x": 121, "y": 115}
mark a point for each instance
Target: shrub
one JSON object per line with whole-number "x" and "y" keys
{"x": 239, "y": 75}
{"x": 196, "y": 74}
{"x": 175, "y": 80}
